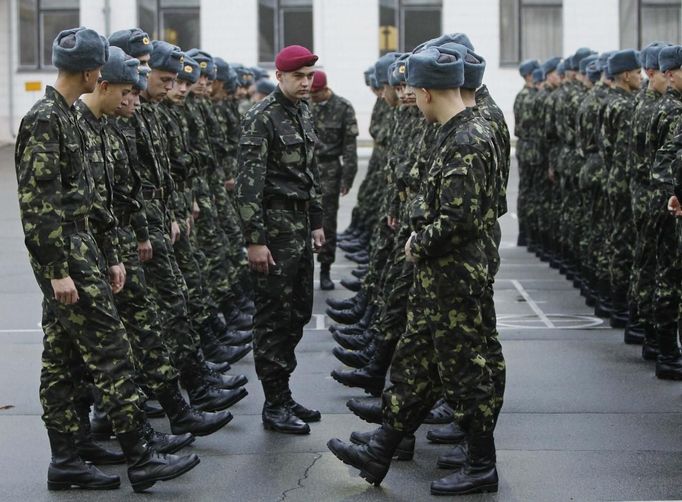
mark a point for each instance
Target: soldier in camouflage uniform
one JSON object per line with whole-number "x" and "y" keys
{"x": 337, "y": 131}
{"x": 280, "y": 206}
{"x": 451, "y": 272}
{"x": 57, "y": 195}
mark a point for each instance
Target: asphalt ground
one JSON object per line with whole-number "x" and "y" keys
{"x": 584, "y": 417}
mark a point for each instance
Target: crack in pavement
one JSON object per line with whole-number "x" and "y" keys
{"x": 299, "y": 483}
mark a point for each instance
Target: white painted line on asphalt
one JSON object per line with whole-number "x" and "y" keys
{"x": 534, "y": 306}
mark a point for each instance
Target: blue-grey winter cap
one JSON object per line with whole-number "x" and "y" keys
{"x": 120, "y": 68}
{"x": 650, "y": 53}
{"x": 586, "y": 61}
{"x": 397, "y": 73}
{"x": 457, "y": 38}
{"x": 670, "y": 58}
{"x": 134, "y": 42}
{"x": 368, "y": 72}
{"x": 205, "y": 61}
{"x": 433, "y": 69}
{"x": 142, "y": 77}
{"x": 474, "y": 65}
{"x": 579, "y": 55}
{"x": 265, "y": 86}
{"x": 259, "y": 73}
{"x": 222, "y": 69}
{"x": 538, "y": 76}
{"x": 166, "y": 57}
{"x": 594, "y": 71}
{"x": 561, "y": 68}
{"x": 622, "y": 61}
{"x": 528, "y": 66}
{"x": 382, "y": 65}
{"x": 603, "y": 63}
{"x": 244, "y": 75}
{"x": 550, "y": 65}
{"x": 373, "y": 82}
{"x": 79, "y": 49}
{"x": 190, "y": 70}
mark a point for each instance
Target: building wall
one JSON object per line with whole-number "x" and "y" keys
{"x": 5, "y": 82}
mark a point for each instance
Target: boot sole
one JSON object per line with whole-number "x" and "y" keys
{"x": 664, "y": 375}
{"x": 146, "y": 484}
{"x": 492, "y": 488}
{"x": 367, "y": 476}
{"x": 365, "y": 418}
{"x": 56, "y": 486}
{"x": 95, "y": 461}
{"x": 216, "y": 427}
{"x": 298, "y": 432}
{"x": 372, "y": 391}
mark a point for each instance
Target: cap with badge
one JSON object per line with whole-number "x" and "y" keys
{"x": 397, "y": 72}
{"x": 222, "y": 68}
{"x": 205, "y": 61}
{"x": 650, "y": 53}
{"x": 120, "y": 68}
{"x": 622, "y": 61}
{"x": 244, "y": 75}
{"x": 134, "y": 42}
{"x": 594, "y": 71}
{"x": 190, "y": 70}
{"x": 79, "y": 49}
{"x": 585, "y": 62}
{"x": 166, "y": 57}
{"x": 433, "y": 69}
{"x": 670, "y": 58}
{"x": 382, "y": 65}
{"x": 142, "y": 76}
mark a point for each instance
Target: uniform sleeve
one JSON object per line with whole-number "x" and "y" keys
{"x": 40, "y": 198}
{"x": 459, "y": 203}
{"x": 253, "y": 164}
{"x": 665, "y": 162}
{"x": 350, "y": 148}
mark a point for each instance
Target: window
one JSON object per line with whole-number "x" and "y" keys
{"x": 404, "y": 24}
{"x": 40, "y": 21}
{"x": 175, "y": 21}
{"x": 645, "y": 21}
{"x": 282, "y": 23}
{"x": 530, "y": 29}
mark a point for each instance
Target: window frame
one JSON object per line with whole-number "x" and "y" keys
{"x": 278, "y": 28}
{"x": 520, "y": 6}
{"x": 400, "y": 7}
{"x": 160, "y": 10}
{"x": 39, "y": 48}
{"x": 638, "y": 19}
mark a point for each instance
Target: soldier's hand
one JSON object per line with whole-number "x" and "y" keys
{"x": 175, "y": 232}
{"x": 392, "y": 222}
{"x": 408, "y": 248}
{"x": 64, "y": 290}
{"x": 318, "y": 240}
{"x": 260, "y": 258}
{"x": 144, "y": 250}
{"x": 195, "y": 210}
{"x": 230, "y": 184}
{"x": 189, "y": 221}
{"x": 343, "y": 191}
{"x": 116, "y": 278}
{"x": 674, "y": 206}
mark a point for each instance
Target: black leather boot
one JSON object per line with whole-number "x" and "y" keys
{"x": 450, "y": 434}
{"x": 359, "y": 272}
{"x": 215, "y": 351}
{"x": 668, "y": 361}
{"x": 184, "y": 419}
{"x": 634, "y": 331}
{"x": 236, "y": 338}
{"x": 326, "y": 284}
{"x": 146, "y": 466}
{"x": 68, "y": 470}
{"x": 352, "y": 284}
{"x": 165, "y": 443}
{"x": 205, "y": 397}
{"x": 308, "y": 415}
{"x": 221, "y": 381}
{"x": 354, "y": 358}
{"x": 478, "y": 475}
{"x": 100, "y": 425}
{"x": 454, "y": 458}
{"x": 235, "y": 318}
{"x": 348, "y": 316}
{"x": 219, "y": 367}
{"x": 373, "y": 459}
{"x": 368, "y": 410}
{"x": 88, "y": 450}
{"x": 440, "y": 414}
{"x": 404, "y": 451}
{"x": 347, "y": 302}
{"x": 621, "y": 311}
{"x": 361, "y": 257}
{"x": 352, "y": 329}
{"x": 354, "y": 342}
{"x": 279, "y": 417}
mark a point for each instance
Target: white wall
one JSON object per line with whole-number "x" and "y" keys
{"x": 229, "y": 29}
{"x": 590, "y": 23}
{"x": 7, "y": 65}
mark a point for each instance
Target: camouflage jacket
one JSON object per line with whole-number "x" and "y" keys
{"x": 128, "y": 199}
{"x": 99, "y": 160}
{"x": 229, "y": 115}
{"x": 615, "y": 129}
{"x": 536, "y": 124}
{"x": 665, "y": 141}
{"x": 549, "y": 123}
{"x": 521, "y": 111}
{"x": 458, "y": 193}
{"x": 337, "y": 130}
{"x": 55, "y": 184}
{"x": 276, "y": 161}
{"x": 639, "y": 161}
{"x": 152, "y": 148}
{"x": 492, "y": 113}
{"x": 380, "y": 122}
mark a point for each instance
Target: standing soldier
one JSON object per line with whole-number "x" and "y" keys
{"x": 337, "y": 130}
{"x": 57, "y": 196}
{"x": 279, "y": 203}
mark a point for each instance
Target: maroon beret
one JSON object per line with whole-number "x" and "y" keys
{"x": 293, "y": 57}
{"x": 319, "y": 81}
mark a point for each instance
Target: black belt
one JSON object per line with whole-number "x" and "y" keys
{"x": 287, "y": 204}
{"x": 328, "y": 158}
{"x": 124, "y": 218}
{"x": 153, "y": 193}
{"x": 75, "y": 226}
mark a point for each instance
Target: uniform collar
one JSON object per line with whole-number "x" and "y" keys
{"x": 286, "y": 102}
{"x": 455, "y": 122}
{"x": 89, "y": 117}
{"x": 54, "y": 95}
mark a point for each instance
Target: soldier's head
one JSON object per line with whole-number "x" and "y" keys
{"x": 436, "y": 76}
{"x": 264, "y": 87}
{"x": 190, "y": 73}
{"x": 319, "y": 91}
{"x": 79, "y": 54}
{"x": 550, "y": 71}
{"x": 166, "y": 62}
{"x": 526, "y": 69}
{"x": 295, "y": 71}
{"x": 649, "y": 56}
{"x": 397, "y": 78}
{"x": 626, "y": 68}
{"x": 118, "y": 76}
{"x": 135, "y": 43}
{"x": 670, "y": 62}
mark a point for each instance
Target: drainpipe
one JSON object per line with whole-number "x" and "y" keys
{"x": 107, "y": 18}
{"x": 12, "y": 69}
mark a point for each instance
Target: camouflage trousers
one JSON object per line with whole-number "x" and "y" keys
{"x": 283, "y": 298}
{"x": 330, "y": 182}
{"x": 367, "y": 192}
{"x": 443, "y": 351}
{"x": 622, "y": 245}
{"x": 380, "y": 249}
{"x": 601, "y": 239}
{"x": 141, "y": 320}
{"x": 668, "y": 276}
{"x": 168, "y": 290}
{"x": 89, "y": 331}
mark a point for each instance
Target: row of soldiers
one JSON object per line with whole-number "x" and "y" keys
{"x": 599, "y": 174}
{"x": 126, "y": 174}
{"x": 425, "y": 232}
